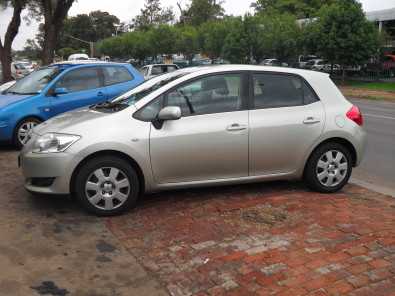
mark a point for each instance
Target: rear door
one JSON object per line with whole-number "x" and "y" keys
{"x": 286, "y": 118}
{"x": 117, "y": 80}
{"x": 84, "y": 87}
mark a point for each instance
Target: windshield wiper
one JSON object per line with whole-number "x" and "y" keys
{"x": 108, "y": 105}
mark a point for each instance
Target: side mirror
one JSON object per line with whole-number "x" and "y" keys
{"x": 60, "y": 91}
{"x": 170, "y": 113}
{"x": 167, "y": 113}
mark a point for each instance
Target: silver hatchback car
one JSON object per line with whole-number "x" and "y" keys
{"x": 196, "y": 127}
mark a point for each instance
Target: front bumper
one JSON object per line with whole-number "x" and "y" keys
{"x": 39, "y": 168}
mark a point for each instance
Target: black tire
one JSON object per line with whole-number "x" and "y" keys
{"x": 17, "y": 143}
{"x": 86, "y": 171}
{"x": 310, "y": 172}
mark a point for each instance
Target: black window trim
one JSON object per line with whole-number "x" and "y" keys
{"x": 251, "y": 101}
{"x": 244, "y": 75}
{"x": 120, "y": 66}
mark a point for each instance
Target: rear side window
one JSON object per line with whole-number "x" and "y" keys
{"x": 114, "y": 75}
{"x": 275, "y": 91}
{"x": 80, "y": 79}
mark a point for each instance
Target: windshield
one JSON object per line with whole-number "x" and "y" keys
{"x": 35, "y": 82}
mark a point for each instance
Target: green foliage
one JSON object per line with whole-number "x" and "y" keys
{"x": 201, "y": 11}
{"x": 187, "y": 41}
{"x": 153, "y": 14}
{"x": 298, "y": 8}
{"x": 342, "y": 34}
{"x": 236, "y": 46}
{"x": 212, "y": 37}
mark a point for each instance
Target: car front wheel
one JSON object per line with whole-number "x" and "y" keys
{"x": 328, "y": 168}
{"x": 22, "y": 131}
{"x": 107, "y": 186}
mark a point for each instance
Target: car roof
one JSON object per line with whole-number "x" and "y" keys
{"x": 86, "y": 62}
{"x": 262, "y": 68}
{"x": 161, "y": 65}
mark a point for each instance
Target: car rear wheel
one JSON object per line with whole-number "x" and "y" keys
{"x": 107, "y": 186}
{"x": 328, "y": 168}
{"x": 22, "y": 131}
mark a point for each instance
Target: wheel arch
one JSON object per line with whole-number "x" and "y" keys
{"x": 339, "y": 140}
{"x": 20, "y": 120}
{"x": 109, "y": 152}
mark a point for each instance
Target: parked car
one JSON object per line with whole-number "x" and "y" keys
{"x": 195, "y": 127}
{"x": 58, "y": 88}
{"x": 19, "y": 70}
{"x": 151, "y": 71}
{"x": 273, "y": 62}
{"x": 303, "y": 60}
{"x": 78, "y": 57}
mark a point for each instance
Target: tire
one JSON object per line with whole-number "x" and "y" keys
{"x": 106, "y": 186}
{"x": 26, "y": 124}
{"x": 325, "y": 174}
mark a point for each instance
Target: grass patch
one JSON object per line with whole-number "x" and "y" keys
{"x": 380, "y": 86}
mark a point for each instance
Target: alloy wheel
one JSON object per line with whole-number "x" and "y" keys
{"x": 332, "y": 168}
{"x": 24, "y": 130}
{"x": 107, "y": 188}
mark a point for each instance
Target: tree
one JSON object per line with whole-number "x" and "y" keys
{"x": 11, "y": 32}
{"x": 201, "y": 11}
{"x": 187, "y": 41}
{"x": 162, "y": 39}
{"x": 299, "y": 8}
{"x": 153, "y": 14}
{"x": 213, "y": 35}
{"x": 235, "y": 47}
{"x": 31, "y": 50}
{"x": 54, "y": 12}
{"x": 343, "y": 35}
{"x": 96, "y": 26}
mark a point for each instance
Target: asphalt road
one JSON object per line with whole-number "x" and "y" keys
{"x": 377, "y": 170}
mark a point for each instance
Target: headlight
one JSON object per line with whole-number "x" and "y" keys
{"x": 53, "y": 143}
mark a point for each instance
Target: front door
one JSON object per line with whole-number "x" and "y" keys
{"x": 210, "y": 141}
{"x": 83, "y": 87}
{"x": 286, "y": 118}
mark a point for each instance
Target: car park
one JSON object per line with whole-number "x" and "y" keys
{"x": 58, "y": 88}
{"x": 197, "y": 127}
{"x": 151, "y": 71}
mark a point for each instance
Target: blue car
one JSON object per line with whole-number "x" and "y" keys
{"x": 59, "y": 88}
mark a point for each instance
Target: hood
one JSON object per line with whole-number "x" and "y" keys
{"x": 8, "y": 99}
{"x": 67, "y": 121}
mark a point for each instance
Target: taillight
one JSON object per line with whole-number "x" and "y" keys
{"x": 355, "y": 115}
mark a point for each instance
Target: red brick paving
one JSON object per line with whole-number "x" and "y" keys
{"x": 264, "y": 239}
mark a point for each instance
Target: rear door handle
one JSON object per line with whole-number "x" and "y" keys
{"x": 100, "y": 94}
{"x": 236, "y": 127}
{"x": 311, "y": 120}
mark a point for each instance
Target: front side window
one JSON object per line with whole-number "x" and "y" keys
{"x": 157, "y": 70}
{"x": 116, "y": 74}
{"x": 80, "y": 79}
{"x": 274, "y": 91}
{"x": 212, "y": 94}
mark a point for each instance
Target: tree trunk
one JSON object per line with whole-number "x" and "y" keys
{"x": 12, "y": 31}
{"x": 5, "y": 56}
{"x": 49, "y": 45}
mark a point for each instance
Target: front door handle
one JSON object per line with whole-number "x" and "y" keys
{"x": 236, "y": 127}
{"x": 311, "y": 120}
{"x": 100, "y": 94}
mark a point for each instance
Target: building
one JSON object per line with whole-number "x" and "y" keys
{"x": 385, "y": 20}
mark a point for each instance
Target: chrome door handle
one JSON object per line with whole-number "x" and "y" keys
{"x": 311, "y": 120}
{"x": 236, "y": 127}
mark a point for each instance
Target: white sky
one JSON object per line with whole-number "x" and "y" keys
{"x": 125, "y": 10}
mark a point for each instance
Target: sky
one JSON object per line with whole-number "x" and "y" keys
{"x": 125, "y": 10}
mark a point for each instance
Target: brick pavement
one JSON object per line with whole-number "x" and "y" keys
{"x": 264, "y": 239}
